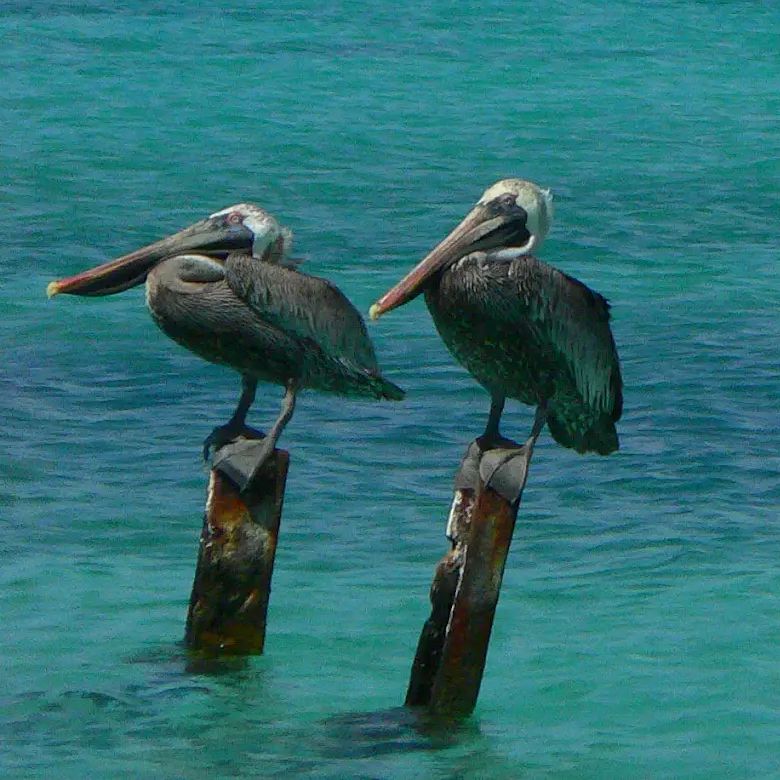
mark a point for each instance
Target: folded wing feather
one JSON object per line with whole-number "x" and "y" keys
{"x": 307, "y": 307}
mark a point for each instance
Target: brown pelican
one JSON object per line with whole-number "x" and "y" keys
{"x": 222, "y": 288}
{"x": 522, "y": 328}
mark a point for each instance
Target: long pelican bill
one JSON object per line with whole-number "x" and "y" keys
{"x": 482, "y": 228}
{"x": 214, "y": 236}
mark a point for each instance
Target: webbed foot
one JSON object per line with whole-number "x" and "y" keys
{"x": 241, "y": 460}
{"x": 498, "y": 463}
{"x": 469, "y": 473}
{"x": 224, "y": 434}
{"x": 506, "y": 470}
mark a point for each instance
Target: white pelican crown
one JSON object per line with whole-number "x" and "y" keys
{"x": 265, "y": 229}
{"x": 534, "y": 200}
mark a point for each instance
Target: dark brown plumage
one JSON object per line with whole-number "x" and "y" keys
{"x": 223, "y": 289}
{"x": 268, "y": 322}
{"x": 522, "y": 328}
{"x": 527, "y": 331}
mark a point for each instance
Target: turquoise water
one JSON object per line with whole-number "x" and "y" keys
{"x": 637, "y": 630}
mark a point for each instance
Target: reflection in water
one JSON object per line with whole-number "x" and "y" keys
{"x": 392, "y": 743}
{"x": 226, "y": 712}
{"x": 387, "y": 731}
{"x": 181, "y": 660}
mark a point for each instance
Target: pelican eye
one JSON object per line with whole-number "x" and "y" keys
{"x": 503, "y": 204}
{"x": 235, "y": 218}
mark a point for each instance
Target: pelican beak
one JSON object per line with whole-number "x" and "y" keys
{"x": 213, "y": 236}
{"x": 483, "y": 228}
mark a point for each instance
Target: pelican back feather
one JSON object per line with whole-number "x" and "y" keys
{"x": 312, "y": 310}
{"x": 192, "y": 303}
{"x": 528, "y": 331}
{"x": 207, "y": 307}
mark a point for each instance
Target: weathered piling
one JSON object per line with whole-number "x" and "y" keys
{"x": 229, "y": 601}
{"x": 450, "y": 660}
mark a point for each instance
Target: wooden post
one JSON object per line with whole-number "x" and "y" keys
{"x": 450, "y": 659}
{"x": 229, "y": 601}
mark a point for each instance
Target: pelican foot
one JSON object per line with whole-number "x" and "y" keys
{"x": 224, "y": 434}
{"x": 506, "y": 470}
{"x": 467, "y": 476}
{"x": 241, "y": 460}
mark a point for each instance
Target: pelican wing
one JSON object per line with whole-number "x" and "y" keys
{"x": 576, "y": 320}
{"x": 563, "y": 320}
{"x": 573, "y": 320}
{"x": 307, "y": 307}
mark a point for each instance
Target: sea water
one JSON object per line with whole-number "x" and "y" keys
{"x": 637, "y": 631}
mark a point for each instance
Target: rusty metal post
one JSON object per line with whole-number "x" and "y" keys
{"x": 451, "y": 653}
{"x": 229, "y": 601}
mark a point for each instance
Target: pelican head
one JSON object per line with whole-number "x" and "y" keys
{"x": 511, "y": 219}
{"x": 240, "y": 228}
{"x": 527, "y": 203}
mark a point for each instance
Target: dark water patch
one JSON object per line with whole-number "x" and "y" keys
{"x": 402, "y": 729}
